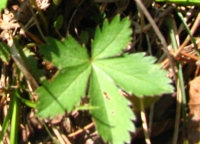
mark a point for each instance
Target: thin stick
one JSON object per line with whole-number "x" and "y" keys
{"x": 58, "y": 135}
{"x": 159, "y": 34}
{"x": 180, "y": 81}
{"x": 178, "y": 109}
{"x": 144, "y": 122}
{"x": 193, "y": 29}
{"x": 21, "y": 65}
{"x": 81, "y": 130}
{"x": 157, "y": 19}
{"x": 65, "y": 139}
{"x": 49, "y": 133}
{"x": 37, "y": 24}
{"x": 70, "y": 21}
{"x": 40, "y": 14}
{"x": 151, "y": 118}
{"x": 190, "y": 56}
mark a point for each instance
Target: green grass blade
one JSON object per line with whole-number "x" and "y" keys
{"x": 15, "y": 116}
{"x": 180, "y": 72}
{"x": 188, "y": 30}
{"x": 6, "y": 122}
{"x": 182, "y": 2}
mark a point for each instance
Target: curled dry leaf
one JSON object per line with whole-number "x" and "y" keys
{"x": 194, "y": 115}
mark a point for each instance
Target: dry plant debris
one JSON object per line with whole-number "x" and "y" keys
{"x": 194, "y": 115}
{"x": 24, "y": 19}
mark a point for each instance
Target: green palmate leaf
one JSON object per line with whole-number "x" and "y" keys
{"x": 137, "y": 74}
{"x": 31, "y": 64}
{"x": 64, "y": 54}
{"x": 113, "y": 118}
{"x": 108, "y": 73}
{"x": 112, "y": 39}
{"x": 65, "y": 91}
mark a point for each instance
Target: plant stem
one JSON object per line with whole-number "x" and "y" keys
{"x": 192, "y": 31}
{"x": 14, "y": 119}
{"x": 49, "y": 133}
{"x": 144, "y": 122}
{"x": 180, "y": 73}
{"x": 41, "y": 15}
{"x": 192, "y": 39}
{"x": 181, "y": 96}
{"x": 159, "y": 34}
{"x": 184, "y": 2}
{"x": 6, "y": 122}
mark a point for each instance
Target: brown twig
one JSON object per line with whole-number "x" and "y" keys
{"x": 159, "y": 34}
{"x": 81, "y": 130}
{"x": 193, "y": 29}
{"x": 157, "y": 19}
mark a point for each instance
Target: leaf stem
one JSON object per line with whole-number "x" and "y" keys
{"x": 14, "y": 119}
{"x": 181, "y": 96}
{"x": 49, "y": 133}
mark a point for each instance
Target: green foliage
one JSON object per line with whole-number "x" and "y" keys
{"x": 136, "y": 74}
{"x": 2, "y": 4}
{"x": 112, "y": 39}
{"x": 4, "y": 52}
{"x": 183, "y": 2}
{"x": 31, "y": 64}
{"x": 105, "y": 73}
{"x": 84, "y": 36}
{"x": 113, "y": 118}
{"x": 58, "y": 22}
{"x": 65, "y": 91}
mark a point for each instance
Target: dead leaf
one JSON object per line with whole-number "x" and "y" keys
{"x": 194, "y": 115}
{"x": 195, "y": 91}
